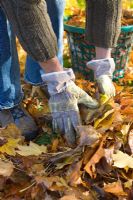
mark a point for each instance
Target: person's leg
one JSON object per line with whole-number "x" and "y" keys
{"x": 10, "y": 88}
{"x": 33, "y": 70}
{"x": 102, "y": 30}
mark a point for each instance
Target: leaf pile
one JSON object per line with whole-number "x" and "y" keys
{"x": 100, "y": 166}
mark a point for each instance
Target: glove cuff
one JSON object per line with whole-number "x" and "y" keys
{"x": 57, "y": 81}
{"x": 102, "y": 67}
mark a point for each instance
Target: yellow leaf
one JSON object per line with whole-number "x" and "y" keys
{"x": 125, "y": 129}
{"x": 128, "y": 184}
{"x": 99, "y": 121}
{"x": 115, "y": 188}
{"x": 31, "y": 150}
{"x": 9, "y": 147}
{"x": 6, "y": 168}
{"x": 122, "y": 160}
{"x": 103, "y": 98}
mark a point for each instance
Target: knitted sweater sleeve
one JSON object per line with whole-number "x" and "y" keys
{"x": 32, "y": 26}
{"x": 103, "y": 22}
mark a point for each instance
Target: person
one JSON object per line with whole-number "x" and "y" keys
{"x": 10, "y": 93}
{"x": 33, "y": 28}
{"x": 102, "y": 30}
{"x": 33, "y": 70}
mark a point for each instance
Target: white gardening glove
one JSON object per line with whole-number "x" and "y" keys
{"x": 64, "y": 99}
{"x": 103, "y": 72}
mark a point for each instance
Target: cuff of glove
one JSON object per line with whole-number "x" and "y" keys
{"x": 57, "y": 81}
{"x": 102, "y": 67}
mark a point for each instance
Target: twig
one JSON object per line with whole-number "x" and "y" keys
{"x": 23, "y": 190}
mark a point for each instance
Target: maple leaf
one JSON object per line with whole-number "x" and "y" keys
{"x": 31, "y": 149}
{"x": 122, "y": 160}
{"x": 9, "y": 147}
{"x": 6, "y": 168}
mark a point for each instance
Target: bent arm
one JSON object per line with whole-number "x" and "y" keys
{"x": 32, "y": 26}
{"x": 103, "y": 22}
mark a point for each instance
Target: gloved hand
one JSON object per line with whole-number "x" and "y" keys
{"x": 103, "y": 71}
{"x": 64, "y": 99}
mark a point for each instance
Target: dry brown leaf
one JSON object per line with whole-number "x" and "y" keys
{"x": 47, "y": 181}
{"x": 88, "y": 135}
{"x": 68, "y": 197}
{"x": 11, "y": 131}
{"x": 90, "y": 166}
{"x": 37, "y": 110}
{"x": 115, "y": 188}
{"x": 6, "y": 168}
{"x": 55, "y": 145}
{"x": 75, "y": 174}
{"x": 52, "y": 183}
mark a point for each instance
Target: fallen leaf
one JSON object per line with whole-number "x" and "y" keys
{"x": 9, "y": 147}
{"x": 130, "y": 140}
{"x": 115, "y": 188}
{"x": 128, "y": 184}
{"x": 108, "y": 154}
{"x": 48, "y": 196}
{"x": 125, "y": 128}
{"x": 47, "y": 181}
{"x": 65, "y": 162}
{"x": 6, "y": 168}
{"x": 2, "y": 182}
{"x": 68, "y": 197}
{"x": 103, "y": 98}
{"x": 51, "y": 182}
{"x": 11, "y": 131}
{"x": 122, "y": 160}
{"x": 98, "y": 122}
{"x": 75, "y": 174}
{"x": 55, "y": 145}
{"x": 90, "y": 166}
{"x": 31, "y": 149}
{"x": 88, "y": 135}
